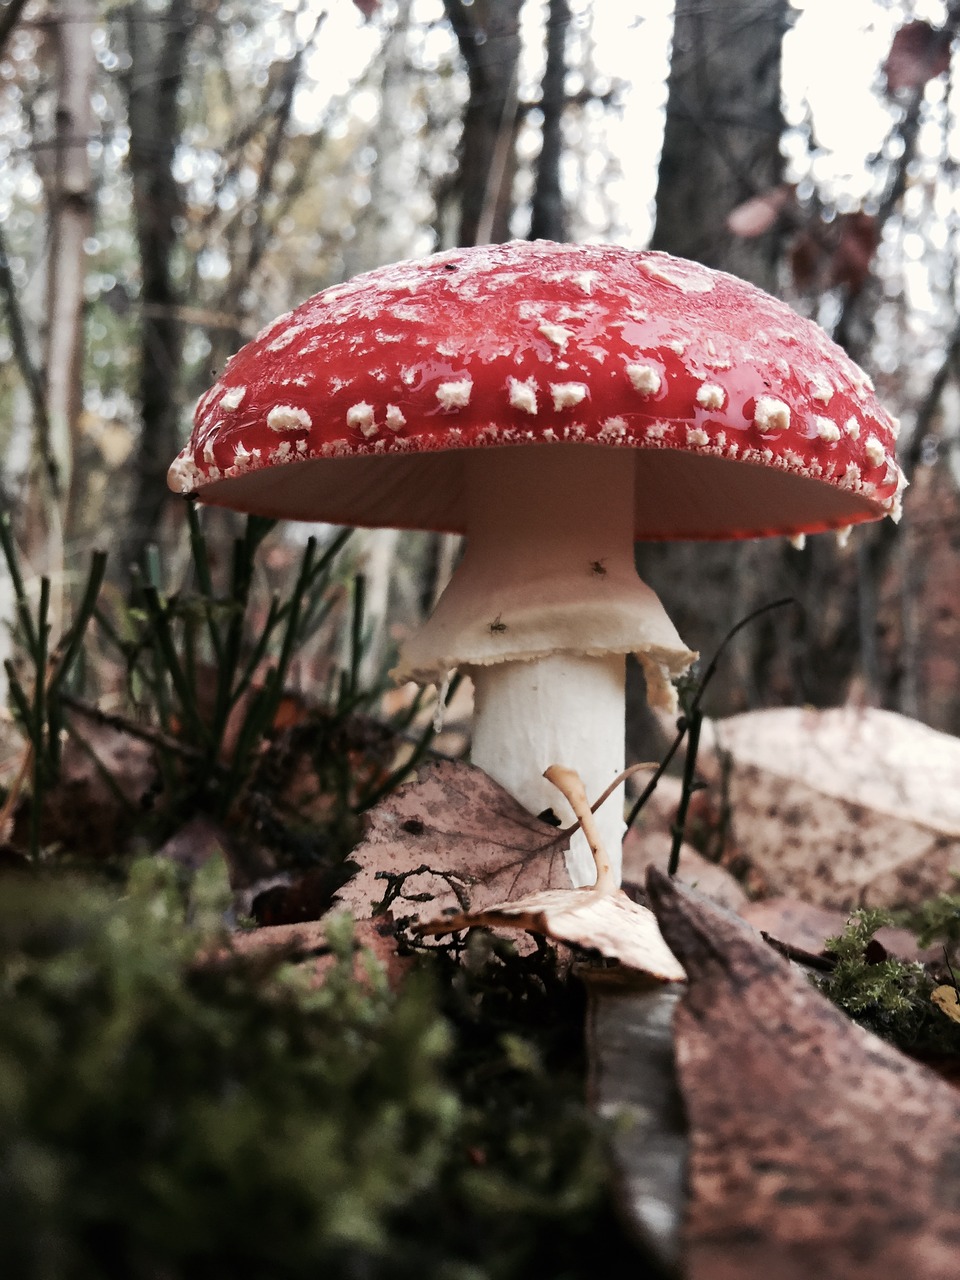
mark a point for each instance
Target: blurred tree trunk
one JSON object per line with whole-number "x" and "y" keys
{"x": 548, "y": 216}
{"x": 721, "y": 146}
{"x": 157, "y": 42}
{"x": 70, "y": 204}
{"x": 488, "y": 34}
{"x": 722, "y": 137}
{"x": 378, "y": 239}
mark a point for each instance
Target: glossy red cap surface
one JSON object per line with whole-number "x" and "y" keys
{"x": 359, "y": 407}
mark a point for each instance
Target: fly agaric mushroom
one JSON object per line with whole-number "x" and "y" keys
{"x": 555, "y": 403}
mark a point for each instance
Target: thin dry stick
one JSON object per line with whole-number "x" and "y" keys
{"x": 110, "y": 720}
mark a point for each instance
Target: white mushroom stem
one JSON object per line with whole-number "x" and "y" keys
{"x": 541, "y": 612}
{"x": 564, "y": 707}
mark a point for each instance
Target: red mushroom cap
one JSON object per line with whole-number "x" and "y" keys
{"x": 743, "y": 419}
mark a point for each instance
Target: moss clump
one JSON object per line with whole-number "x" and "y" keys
{"x": 936, "y": 920}
{"x": 889, "y": 996}
{"x": 166, "y": 1113}
{"x": 171, "y": 1109}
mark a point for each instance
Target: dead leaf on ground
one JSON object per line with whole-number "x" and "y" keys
{"x": 104, "y": 775}
{"x": 807, "y": 926}
{"x": 947, "y": 1000}
{"x": 451, "y": 839}
{"x": 310, "y": 949}
{"x": 610, "y": 923}
{"x": 647, "y": 843}
{"x": 845, "y": 807}
{"x": 816, "y": 1149}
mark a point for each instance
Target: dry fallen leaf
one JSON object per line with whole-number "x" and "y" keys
{"x": 451, "y": 839}
{"x": 816, "y": 1149}
{"x": 648, "y": 841}
{"x": 947, "y": 1000}
{"x": 610, "y": 923}
{"x": 846, "y": 807}
{"x": 309, "y": 949}
{"x": 803, "y": 925}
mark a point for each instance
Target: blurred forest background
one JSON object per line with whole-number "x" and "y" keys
{"x": 177, "y": 172}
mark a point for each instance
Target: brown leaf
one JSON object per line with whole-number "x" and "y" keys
{"x": 647, "y": 843}
{"x": 610, "y": 923}
{"x": 816, "y": 1149}
{"x": 857, "y": 240}
{"x": 947, "y": 1000}
{"x": 760, "y": 213}
{"x": 307, "y": 947}
{"x": 919, "y": 53}
{"x": 806, "y": 255}
{"x": 452, "y": 839}
{"x": 83, "y": 811}
{"x": 845, "y": 807}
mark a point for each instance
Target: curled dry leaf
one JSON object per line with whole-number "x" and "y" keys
{"x": 607, "y": 922}
{"x": 451, "y": 839}
{"x": 919, "y": 53}
{"x": 816, "y": 1149}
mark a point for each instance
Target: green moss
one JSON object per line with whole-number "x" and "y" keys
{"x": 889, "y": 996}
{"x": 935, "y": 921}
{"x": 171, "y": 1109}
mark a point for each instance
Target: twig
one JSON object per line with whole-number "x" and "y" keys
{"x": 110, "y": 720}
{"x": 28, "y": 370}
{"x": 826, "y": 964}
{"x": 689, "y": 723}
{"x": 9, "y": 16}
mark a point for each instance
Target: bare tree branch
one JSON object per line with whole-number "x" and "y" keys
{"x": 28, "y": 370}
{"x": 9, "y": 17}
{"x": 548, "y": 219}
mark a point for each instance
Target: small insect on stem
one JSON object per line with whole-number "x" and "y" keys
{"x": 599, "y": 568}
{"x": 497, "y": 626}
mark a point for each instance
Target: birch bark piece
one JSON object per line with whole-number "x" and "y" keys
{"x": 633, "y": 1084}
{"x": 816, "y": 1149}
